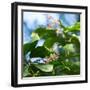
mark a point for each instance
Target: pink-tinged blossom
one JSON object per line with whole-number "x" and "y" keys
{"x": 56, "y": 21}
{"x": 49, "y": 17}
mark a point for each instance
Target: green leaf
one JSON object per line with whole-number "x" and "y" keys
{"x": 75, "y": 27}
{"x": 39, "y": 52}
{"x": 61, "y": 40}
{"x": 44, "y": 67}
{"x": 69, "y": 48}
{"x": 45, "y": 33}
{"x": 26, "y": 71}
{"x": 40, "y": 31}
{"x": 71, "y": 52}
{"x": 71, "y": 68}
{"x": 75, "y": 40}
{"x": 49, "y": 42}
{"x": 34, "y": 37}
{"x": 29, "y": 46}
{"x": 55, "y": 62}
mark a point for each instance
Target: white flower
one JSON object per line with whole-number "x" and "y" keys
{"x": 59, "y": 31}
{"x": 56, "y": 48}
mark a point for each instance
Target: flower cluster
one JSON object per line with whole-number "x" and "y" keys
{"x": 52, "y": 57}
{"x": 54, "y": 24}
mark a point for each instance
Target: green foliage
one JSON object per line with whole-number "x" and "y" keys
{"x": 34, "y": 37}
{"x": 45, "y": 33}
{"x": 75, "y": 27}
{"x": 29, "y": 46}
{"x": 39, "y": 52}
{"x": 66, "y": 62}
{"x": 71, "y": 68}
{"x": 26, "y": 71}
{"x": 44, "y": 67}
